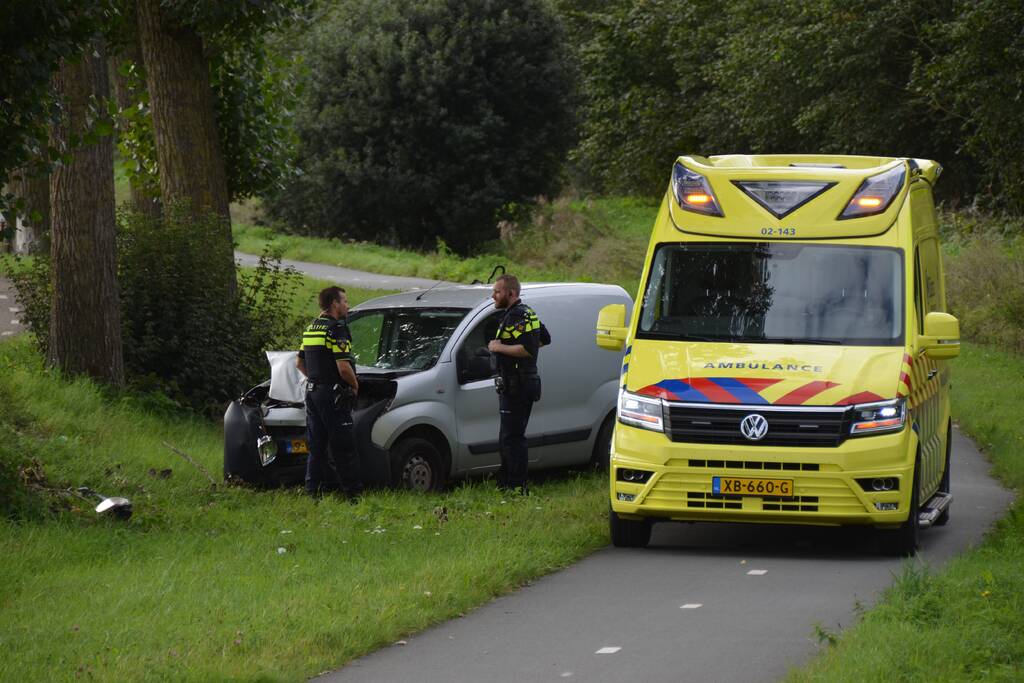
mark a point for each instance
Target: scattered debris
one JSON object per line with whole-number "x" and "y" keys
{"x": 160, "y": 474}
{"x": 441, "y": 512}
{"x": 213, "y": 484}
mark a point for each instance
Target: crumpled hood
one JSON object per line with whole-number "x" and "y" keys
{"x": 762, "y": 374}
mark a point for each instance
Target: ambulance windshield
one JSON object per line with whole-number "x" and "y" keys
{"x": 783, "y": 293}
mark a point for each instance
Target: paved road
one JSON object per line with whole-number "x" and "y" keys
{"x": 346, "y": 276}
{"x": 10, "y": 311}
{"x": 704, "y": 603}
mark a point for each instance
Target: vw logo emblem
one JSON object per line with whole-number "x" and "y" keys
{"x": 754, "y": 427}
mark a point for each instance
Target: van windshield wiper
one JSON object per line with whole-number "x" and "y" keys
{"x": 794, "y": 340}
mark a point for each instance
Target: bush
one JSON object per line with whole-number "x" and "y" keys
{"x": 985, "y": 288}
{"x": 181, "y": 342}
{"x": 423, "y": 120}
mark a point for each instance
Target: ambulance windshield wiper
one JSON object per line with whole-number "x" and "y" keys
{"x": 794, "y": 340}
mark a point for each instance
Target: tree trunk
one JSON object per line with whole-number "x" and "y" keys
{"x": 187, "y": 143}
{"x": 34, "y": 234}
{"x": 85, "y": 317}
{"x": 128, "y": 98}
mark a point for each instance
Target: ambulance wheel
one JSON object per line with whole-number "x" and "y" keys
{"x": 603, "y": 445}
{"x": 902, "y": 541}
{"x": 416, "y": 464}
{"x": 943, "y": 519}
{"x": 627, "y": 533}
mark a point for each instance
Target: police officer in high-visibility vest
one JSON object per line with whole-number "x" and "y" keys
{"x": 326, "y": 360}
{"x": 516, "y": 345}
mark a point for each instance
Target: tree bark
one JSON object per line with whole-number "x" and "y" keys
{"x": 34, "y": 235}
{"x": 184, "y": 123}
{"x": 128, "y": 98}
{"x": 85, "y": 316}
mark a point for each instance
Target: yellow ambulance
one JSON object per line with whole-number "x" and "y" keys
{"x": 788, "y": 357}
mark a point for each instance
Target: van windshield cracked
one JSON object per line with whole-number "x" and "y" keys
{"x": 402, "y": 338}
{"x": 775, "y": 293}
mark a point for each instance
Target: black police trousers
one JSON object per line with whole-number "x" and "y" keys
{"x": 333, "y": 463}
{"x": 515, "y": 414}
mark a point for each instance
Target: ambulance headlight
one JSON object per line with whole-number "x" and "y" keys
{"x": 640, "y": 411}
{"x": 880, "y": 417}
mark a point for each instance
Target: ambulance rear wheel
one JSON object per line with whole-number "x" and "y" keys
{"x": 943, "y": 519}
{"x": 627, "y": 533}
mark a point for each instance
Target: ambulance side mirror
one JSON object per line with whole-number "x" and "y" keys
{"x": 941, "y": 338}
{"x": 611, "y": 327}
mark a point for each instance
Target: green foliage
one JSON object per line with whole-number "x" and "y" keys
{"x": 193, "y": 347}
{"x": 34, "y": 37}
{"x": 180, "y": 343}
{"x": 976, "y": 79}
{"x": 937, "y": 79}
{"x": 985, "y": 278}
{"x": 423, "y": 121}
{"x": 255, "y": 95}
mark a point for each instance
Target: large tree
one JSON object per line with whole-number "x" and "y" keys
{"x": 188, "y": 148}
{"x": 85, "y": 322}
{"x": 428, "y": 120}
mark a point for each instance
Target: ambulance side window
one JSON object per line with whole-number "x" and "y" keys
{"x": 918, "y": 303}
{"x": 931, "y": 279}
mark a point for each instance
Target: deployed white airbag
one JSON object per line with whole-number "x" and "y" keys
{"x": 286, "y": 382}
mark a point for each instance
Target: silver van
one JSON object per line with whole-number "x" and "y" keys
{"x": 427, "y": 410}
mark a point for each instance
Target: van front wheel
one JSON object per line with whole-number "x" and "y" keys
{"x": 902, "y": 541}
{"x": 627, "y": 533}
{"x": 416, "y": 465}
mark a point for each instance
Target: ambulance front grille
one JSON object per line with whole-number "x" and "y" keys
{"x": 787, "y": 426}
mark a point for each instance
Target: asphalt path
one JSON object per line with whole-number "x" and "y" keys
{"x": 10, "y": 311}
{"x": 346, "y": 276}
{"x": 705, "y": 602}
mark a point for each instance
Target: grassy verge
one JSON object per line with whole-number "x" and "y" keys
{"x": 964, "y": 623}
{"x": 209, "y": 583}
{"x": 590, "y": 240}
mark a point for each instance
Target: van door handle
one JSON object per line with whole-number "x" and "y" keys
{"x": 932, "y": 373}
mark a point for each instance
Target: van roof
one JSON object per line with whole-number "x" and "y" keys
{"x": 806, "y": 194}
{"x": 470, "y": 296}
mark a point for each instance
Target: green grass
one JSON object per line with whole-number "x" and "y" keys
{"x": 196, "y": 587}
{"x": 965, "y": 622}
{"x": 598, "y": 240}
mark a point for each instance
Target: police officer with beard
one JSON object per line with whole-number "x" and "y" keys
{"x": 326, "y": 360}
{"x": 516, "y": 344}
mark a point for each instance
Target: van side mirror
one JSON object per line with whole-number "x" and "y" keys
{"x": 611, "y": 327}
{"x": 941, "y": 338}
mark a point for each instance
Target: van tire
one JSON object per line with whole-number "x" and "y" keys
{"x": 603, "y": 445}
{"x": 627, "y": 533}
{"x": 943, "y": 519}
{"x": 902, "y": 541}
{"x": 416, "y": 465}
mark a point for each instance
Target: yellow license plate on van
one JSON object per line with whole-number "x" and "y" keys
{"x": 744, "y": 486}
{"x": 298, "y": 446}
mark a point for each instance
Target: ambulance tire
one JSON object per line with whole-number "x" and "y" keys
{"x": 902, "y": 541}
{"x": 603, "y": 445}
{"x": 627, "y": 533}
{"x": 943, "y": 519}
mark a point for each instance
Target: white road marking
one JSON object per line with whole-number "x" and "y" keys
{"x": 15, "y": 322}
{"x": 566, "y": 674}
{"x": 3, "y": 296}
{"x": 691, "y": 605}
{"x": 609, "y": 650}
{"x": 6, "y": 334}
{"x": 14, "y": 309}
{"x": 757, "y": 572}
